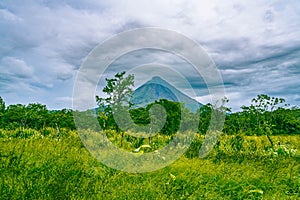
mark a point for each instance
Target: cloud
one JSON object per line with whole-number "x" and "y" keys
{"x": 15, "y": 67}
{"x": 255, "y": 44}
{"x": 16, "y": 75}
{"x": 7, "y": 15}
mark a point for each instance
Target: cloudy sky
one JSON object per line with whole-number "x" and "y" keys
{"x": 254, "y": 44}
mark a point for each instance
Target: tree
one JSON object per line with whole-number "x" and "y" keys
{"x": 2, "y": 105}
{"x": 265, "y": 106}
{"x": 286, "y": 121}
{"x": 140, "y": 116}
{"x": 265, "y": 103}
{"x": 173, "y": 116}
{"x": 213, "y": 116}
{"x": 36, "y": 115}
{"x": 2, "y": 110}
{"x": 118, "y": 90}
{"x": 204, "y": 113}
{"x": 15, "y": 116}
{"x": 189, "y": 120}
{"x": 62, "y": 119}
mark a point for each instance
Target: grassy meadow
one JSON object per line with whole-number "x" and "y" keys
{"x": 39, "y": 165}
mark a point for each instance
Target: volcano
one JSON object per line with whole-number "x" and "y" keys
{"x": 156, "y": 89}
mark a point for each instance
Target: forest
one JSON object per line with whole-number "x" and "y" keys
{"x": 265, "y": 116}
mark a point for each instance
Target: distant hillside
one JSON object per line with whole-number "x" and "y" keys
{"x": 156, "y": 89}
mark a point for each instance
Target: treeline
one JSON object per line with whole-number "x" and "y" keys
{"x": 177, "y": 119}
{"x": 34, "y": 116}
{"x": 265, "y": 116}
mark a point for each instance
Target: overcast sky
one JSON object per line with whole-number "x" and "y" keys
{"x": 255, "y": 44}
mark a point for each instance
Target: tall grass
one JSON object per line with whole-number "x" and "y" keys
{"x": 39, "y": 166}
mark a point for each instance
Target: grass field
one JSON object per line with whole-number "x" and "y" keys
{"x": 37, "y": 165}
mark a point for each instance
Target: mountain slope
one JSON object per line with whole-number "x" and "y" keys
{"x": 158, "y": 88}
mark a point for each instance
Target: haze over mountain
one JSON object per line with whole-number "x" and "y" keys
{"x": 156, "y": 89}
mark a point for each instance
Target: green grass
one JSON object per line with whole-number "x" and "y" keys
{"x": 42, "y": 167}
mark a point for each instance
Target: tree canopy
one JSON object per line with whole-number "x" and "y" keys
{"x": 265, "y": 115}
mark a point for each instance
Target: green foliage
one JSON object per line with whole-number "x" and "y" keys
{"x": 41, "y": 167}
{"x": 204, "y": 118}
{"x": 34, "y": 116}
{"x": 118, "y": 90}
{"x": 61, "y": 118}
{"x": 2, "y": 105}
{"x": 173, "y": 111}
{"x": 177, "y": 116}
{"x": 140, "y": 116}
{"x": 265, "y": 116}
